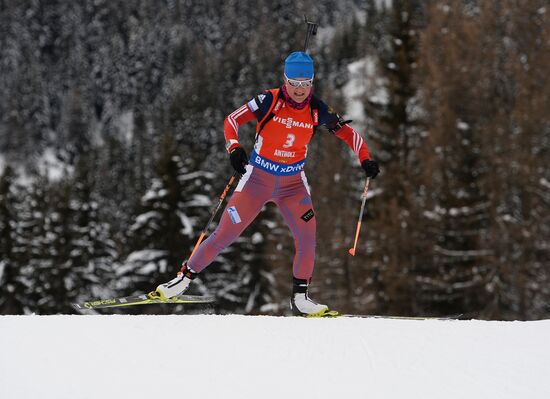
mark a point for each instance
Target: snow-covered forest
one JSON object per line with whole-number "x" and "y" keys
{"x": 112, "y": 152}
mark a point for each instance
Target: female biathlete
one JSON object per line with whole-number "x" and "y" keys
{"x": 286, "y": 118}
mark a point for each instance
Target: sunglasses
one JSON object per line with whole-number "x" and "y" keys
{"x": 299, "y": 83}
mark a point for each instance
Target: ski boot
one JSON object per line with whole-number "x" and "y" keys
{"x": 302, "y": 305}
{"x": 177, "y": 285}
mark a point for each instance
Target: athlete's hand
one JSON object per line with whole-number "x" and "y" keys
{"x": 239, "y": 160}
{"x": 371, "y": 168}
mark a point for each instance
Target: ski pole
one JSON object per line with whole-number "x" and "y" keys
{"x": 311, "y": 31}
{"x": 364, "y": 196}
{"x": 214, "y": 212}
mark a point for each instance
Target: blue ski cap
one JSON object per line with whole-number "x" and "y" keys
{"x": 299, "y": 65}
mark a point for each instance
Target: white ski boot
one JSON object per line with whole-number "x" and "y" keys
{"x": 177, "y": 286}
{"x": 302, "y": 305}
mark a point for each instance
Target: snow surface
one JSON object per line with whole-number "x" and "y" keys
{"x": 270, "y": 357}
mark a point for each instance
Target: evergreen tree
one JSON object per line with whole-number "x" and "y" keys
{"x": 162, "y": 233}
{"x": 30, "y": 247}
{"x": 12, "y": 294}
{"x": 52, "y": 276}
{"x": 395, "y": 135}
{"x": 92, "y": 251}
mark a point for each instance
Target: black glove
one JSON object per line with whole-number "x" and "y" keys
{"x": 239, "y": 160}
{"x": 371, "y": 168}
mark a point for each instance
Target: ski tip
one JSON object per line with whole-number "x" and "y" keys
{"x": 352, "y": 251}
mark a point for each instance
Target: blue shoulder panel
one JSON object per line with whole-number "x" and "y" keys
{"x": 260, "y": 104}
{"x": 327, "y": 116}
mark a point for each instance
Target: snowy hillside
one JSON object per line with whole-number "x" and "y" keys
{"x": 270, "y": 357}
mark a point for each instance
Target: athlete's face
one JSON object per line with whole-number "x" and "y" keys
{"x": 298, "y": 91}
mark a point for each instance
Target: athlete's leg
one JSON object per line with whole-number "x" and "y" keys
{"x": 297, "y": 210}
{"x": 251, "y": 194}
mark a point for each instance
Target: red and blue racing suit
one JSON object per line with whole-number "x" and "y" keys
{"x": 275, "y": 174}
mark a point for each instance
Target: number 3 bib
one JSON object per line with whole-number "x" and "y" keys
{"x": 285, "y": 137}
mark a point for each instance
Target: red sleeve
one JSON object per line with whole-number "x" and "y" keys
{"x": 231, "y": 125}
{"x": 354, "y": 141}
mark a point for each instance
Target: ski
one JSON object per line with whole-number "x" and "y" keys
{"x": 333, "y": 314}
{"x": 142, "y": 299}
{"x": 391, "y": 317}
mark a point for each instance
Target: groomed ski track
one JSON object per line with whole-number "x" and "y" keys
{"x": 234, "y": 356}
